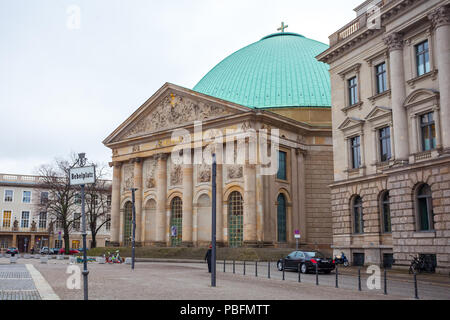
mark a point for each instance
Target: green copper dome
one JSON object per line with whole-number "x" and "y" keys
{"x": 280, "y": 70}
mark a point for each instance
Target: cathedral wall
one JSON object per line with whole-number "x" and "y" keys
{"x": 318, "y": 177}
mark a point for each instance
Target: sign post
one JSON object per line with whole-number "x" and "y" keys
{"x": 296, "y": 236}
{"x": 133, "y": 240}
{"x": 82, "y": 176}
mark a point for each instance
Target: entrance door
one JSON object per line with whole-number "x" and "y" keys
{"x": 23, "y": 243}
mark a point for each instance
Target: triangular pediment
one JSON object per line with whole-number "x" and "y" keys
{"x": 421, "y": 95}
{"x": 378, "y": 112}
{"x": 169, "y": 108}
{"x": 350, "y": 122}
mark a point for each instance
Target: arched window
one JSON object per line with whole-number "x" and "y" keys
{"x": 235, "y": 220}
{"x": 424, "y": 208}
{"x": 358, "y": 215}
{"x": 386, "y": 212}
{"x": 176, "y": 221}
{"x": 127, "y": 223}
{"x": 281, "y": 218}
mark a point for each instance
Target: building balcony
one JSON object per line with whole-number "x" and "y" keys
{"x": 365, "y": 11}
{"x": 22, "y": 230}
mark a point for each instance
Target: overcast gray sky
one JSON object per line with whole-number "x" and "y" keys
{"x": 64, "y": 89}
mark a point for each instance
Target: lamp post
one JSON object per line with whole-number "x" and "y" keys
{"x": 82, "y": 162}
{"x": 133, "y": 240}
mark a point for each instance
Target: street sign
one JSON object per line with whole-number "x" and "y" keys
{"x": 297, "y": 236}
{"x": 82, "y": 176}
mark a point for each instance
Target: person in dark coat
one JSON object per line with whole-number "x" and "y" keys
{"x": 208, "y": 258}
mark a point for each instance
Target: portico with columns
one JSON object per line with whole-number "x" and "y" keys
{"x": 249, "y": 210}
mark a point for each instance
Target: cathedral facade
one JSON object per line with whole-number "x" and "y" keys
{"x": 281, "y": 91}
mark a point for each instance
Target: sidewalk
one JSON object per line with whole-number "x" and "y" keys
{"x": 400, "y": 275}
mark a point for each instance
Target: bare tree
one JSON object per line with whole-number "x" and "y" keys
{"x": 98, "y": 203}
{"x": 60, "y": 204}
{"x": 63, "y": 202}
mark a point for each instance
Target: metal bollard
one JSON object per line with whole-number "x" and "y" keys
{"x": 385, "y": 281}
{"x": 283, "y": 269}
{"x": 256, "y": 268}
{"x": 268, "y": 270}
{"x": 416, "y": 291}
{"x": 299, "y": 273}
{"x": 223, "y": 265}
{"x": 244, "y": 267}
{"x": 317, "y": 274}
{"x": 234, "y": 267}
{"x": 337, "y": 277}
{"x": 359, "y": 279}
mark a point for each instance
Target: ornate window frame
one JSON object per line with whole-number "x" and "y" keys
{"x": 411, "y": 43}
{"x": 379, "y": 118}
{"x": 418, "y": 103}
{"x": 351, "y": 128}
{"x": 373, "y": 61}
{"x": 346, "y": 75}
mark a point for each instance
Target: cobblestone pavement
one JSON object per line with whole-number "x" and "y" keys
{"x": 190, "y": 281}
{"x": 16, "y": 283}
{"x": 181, "y": 281}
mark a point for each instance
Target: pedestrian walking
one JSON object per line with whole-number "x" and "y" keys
{"x": 208, "y": 258}
{"x": 32, "y": 250}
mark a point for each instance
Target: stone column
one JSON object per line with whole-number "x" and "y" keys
{"x": 14, "y": 240}
{"x": 250, "y": 204}
{"x": 161, "y": 197}
{"x": 187, "y": 205}
{"x": 138, "y": 199}
{"x": 394, "y": 42}
{"x": 115, "y": 203}
{"x": 441, "y": 21}
{"x": 32, "y": 241}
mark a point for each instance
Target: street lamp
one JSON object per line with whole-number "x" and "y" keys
{"x": 82, "y": 162}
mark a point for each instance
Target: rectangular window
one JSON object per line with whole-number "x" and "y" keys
{"x": 428, "y": 129}
{"x": 43, "y": 220}
{"x": 380, "y": 71}
{"x": 44, "y": 197}
{"x": 282, "y": 174}
{"x": 25, "y": 219}
{"x": 356, "y": 152}
{"x": 75, "y": 244}
{"x": 58, "y": 244}
{"x": 9, "y": 195}
{"x": 422, "y": 58}
{"x": 6, "y": 219}
{"x": 385, "y": 144}
{"x": 108, "y": 223}
{"x": 353, "y": 91}
{"x": 59, "y": 223}
{"x": 26, "y": 197}
{"x": 77, "y": 198}
{"x": 108, "y": 200}
{"x": 76, "y": 221}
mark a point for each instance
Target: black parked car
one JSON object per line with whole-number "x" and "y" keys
{"x": 308, "y": 261}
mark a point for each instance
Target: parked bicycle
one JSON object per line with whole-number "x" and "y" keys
{"x": 113, "y": 258}
{"x": 419, "y": 265}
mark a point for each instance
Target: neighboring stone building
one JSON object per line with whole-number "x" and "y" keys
{"x": 23, "y": 225}
{"x": 390, "y": 79}
{"x": 275, "y": 83}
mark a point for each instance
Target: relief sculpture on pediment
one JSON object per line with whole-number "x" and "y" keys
{"x": 174, "y": 111}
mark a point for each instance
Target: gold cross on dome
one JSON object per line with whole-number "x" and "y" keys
{"x": 282, "y": 27}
